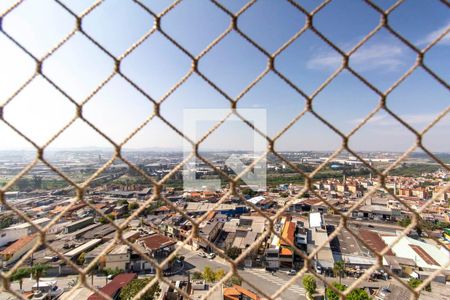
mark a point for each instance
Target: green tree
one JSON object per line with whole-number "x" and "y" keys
{"x": 23, "y": 184}
{"x": 137, "y": 285}
{"x": 356, "y": 294}
{"x": 234, "y": 280}
{"x": 233, "y": 252}
{"x": 37, "y": 182}
{"x": 123, "y": 202}
{"x": 414, "y": 282}
{"x": 81, "y": 258}
{"x": 404, "y": 222}
{"x": 6, "y": 222}
{"x": 37, "y": 271}
{"x": 331, "y": 295}
{"x": 208, "y": 274}
{"x": 219, "y": 274}
{"x": 338, "y": 269}
{"x": 133, "y": 206}
{"x": 104, "y": 220}
{"x": 197, "y": 275}
{"x": 19, "y": 275}
{"x": 309, "y": 282}
{"x": 112, "y": 272}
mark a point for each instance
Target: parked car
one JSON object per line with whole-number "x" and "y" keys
{"x": 211, "y": 255}
{"x": 291, "y": 272}
{"x": 318, "y": 268}
{"x": 201, "y": 254}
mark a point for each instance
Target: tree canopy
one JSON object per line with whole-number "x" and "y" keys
{"x": 37, "y": 271}
{"x": 309, "y": 282}
{"x": 20, "y": 274}
{"x": 137, "y": 285}
{"x": 338, "y": 269}
{"x": 414, "y": 282}
{"x": 233, "y": 252}
{"x": 356, "y": 294}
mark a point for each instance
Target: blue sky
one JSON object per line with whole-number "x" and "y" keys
{"x": 78, "y": 66}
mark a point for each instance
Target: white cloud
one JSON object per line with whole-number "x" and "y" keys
{"x": 384, "y": 57}
{"x": 434, "y": 35}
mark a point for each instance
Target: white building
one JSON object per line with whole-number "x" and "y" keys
{"x": 18, "y": 231}
{"x": 119, "y": 257}
{"x": 426, "y": 256}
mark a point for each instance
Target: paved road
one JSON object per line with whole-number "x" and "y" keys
{"x": 262, "y": 279}
{"x": 375, "y": 226}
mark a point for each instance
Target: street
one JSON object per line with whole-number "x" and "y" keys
{"x": 258, "y": 277}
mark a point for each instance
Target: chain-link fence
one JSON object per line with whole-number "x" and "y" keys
{"x": 158, "y": 185}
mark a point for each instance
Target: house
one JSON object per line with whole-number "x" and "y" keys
{"x": 17, "y": 231}
{"x": 301, "y": 237}
{"x": 377, "y": 212}
{"x": 120, "y": 210}
{"x": 286, "y": 250}
{"x": 112, "y": 289}
{"x": 208, "y": 232}
{"x": 74, "y": 253}
{"x": 163, "y": 210}
{"x": 118, "y": 257}
{"x": 158, "y": 247}
{"x": 427, "y": 257}
{"x": 242, "y": 233}
{"x": 76, "y": 225}
{"x": 17, "y": 249}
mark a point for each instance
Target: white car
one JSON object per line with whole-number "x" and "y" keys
{"x": 211, "y": 255}
{"x": 318, "y": 268}
{"x": 201, "y": 254}
{"x": 291, "y": 272}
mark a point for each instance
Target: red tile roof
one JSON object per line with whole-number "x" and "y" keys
{"x": 113, "y": 287}
{"x": 374, "y": 241}
{"x": 157, "y": 241}
{"x": 288, "y": 233}
{"x": 17, "y": 245}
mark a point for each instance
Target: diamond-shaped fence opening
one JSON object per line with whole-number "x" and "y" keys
{"x": 77, "y": 107}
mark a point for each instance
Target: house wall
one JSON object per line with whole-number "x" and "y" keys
{"x": 117, "y": 261}
{"x": 21, "y": 252}
{"x": 11, "y": 235}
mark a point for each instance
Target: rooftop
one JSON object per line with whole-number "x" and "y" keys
{"x": 17, "y": 245}
{"x": 374, "y": 241}
{"x": 114, "y": 285}
{"x": 237, "y": 292}
{"x": 83, "y": 247}
{"x": 26, "y": 225}
{"x": 425, "y": 255}
{"x": 157, "y": 241}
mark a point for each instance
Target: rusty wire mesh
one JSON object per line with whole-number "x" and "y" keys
{"x": 157, "y": 103}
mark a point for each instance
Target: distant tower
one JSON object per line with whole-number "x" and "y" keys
{"x": 100, "y": 158}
